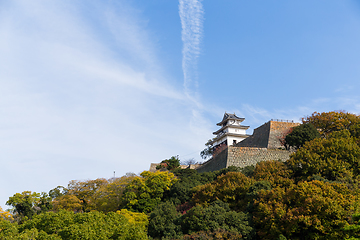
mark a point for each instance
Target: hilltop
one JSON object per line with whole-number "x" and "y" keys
{"x": 312, "y": 195}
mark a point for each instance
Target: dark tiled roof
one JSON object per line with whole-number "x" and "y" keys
{"x": 228, "y": 116}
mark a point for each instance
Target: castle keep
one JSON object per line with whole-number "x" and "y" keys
{"x": 243, "y": 150}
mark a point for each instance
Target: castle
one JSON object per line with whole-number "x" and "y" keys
{"x": 233, "y": 147}
{"x": 241, "y": 150}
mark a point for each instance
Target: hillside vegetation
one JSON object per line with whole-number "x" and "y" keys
{"x": 313, "y": 195}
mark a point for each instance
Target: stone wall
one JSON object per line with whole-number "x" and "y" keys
{"x": 277, "y": 130}
{"x": 246, "y": 156}
{"x": 216, "y": 163}
{"x": 153, "y": 167}
{"x": 259, "y": 138}
{"x": 267, "y": 135}
{"x": 242, "y": 157}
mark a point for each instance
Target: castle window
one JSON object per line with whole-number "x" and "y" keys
{"x": 234, "y": 142}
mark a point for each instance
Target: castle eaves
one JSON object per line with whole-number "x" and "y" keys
{"x": 229, "y": 116}
{"x": 232, "y": 126}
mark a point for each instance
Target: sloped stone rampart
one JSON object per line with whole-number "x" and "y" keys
{"x": 277, "y": 130}
{"x": 246, "y": 156}
{"x": 268, "y": 135}
{"x": 259, "y": 138}
{"x": 216, "y": 163}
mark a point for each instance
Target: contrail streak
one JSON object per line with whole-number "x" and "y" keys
{"x": 191, "y": 16}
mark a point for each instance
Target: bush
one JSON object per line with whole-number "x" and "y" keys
{"x": 163, "y": 221}
{"x": 217, "y": 216}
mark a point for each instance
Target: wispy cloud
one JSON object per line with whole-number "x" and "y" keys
{"x": 83, "y": 93}
{"x": 191, "y": 14}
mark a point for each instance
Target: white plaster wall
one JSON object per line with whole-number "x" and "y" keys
{"x": 236, "y": 130}
{"x": 230, "y": 129}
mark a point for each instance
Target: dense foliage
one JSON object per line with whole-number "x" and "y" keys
{"x": 68, "y": 225}
{"x": 313, "y": 195}
{"x": 301, "y": 134}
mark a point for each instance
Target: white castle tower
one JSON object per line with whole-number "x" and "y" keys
{"x": 231, "y": 131}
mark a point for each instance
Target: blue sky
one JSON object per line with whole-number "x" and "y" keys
{"x": 92, "y": 87}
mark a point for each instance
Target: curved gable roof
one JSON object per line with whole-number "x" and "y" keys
{"x": 228, "y": 116}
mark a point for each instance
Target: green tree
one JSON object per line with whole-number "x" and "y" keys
{"x": 27, "y": 204}
{"x": 353, "y": 229}
{"x": 182, "y": 190}
{"x": 57, "y": 192}
{"x": 170, "y": 164}
{"x": 256, "y": 188}
{"x": 214, "y": 217}
{"x": 248, "y": 170}
{"x": 91, "y": 225}
{"x": 143, "y": 193}
{"x": 301, "y": 134}
{"x": 163, "y": 221}
{"x": 333, "y": 158}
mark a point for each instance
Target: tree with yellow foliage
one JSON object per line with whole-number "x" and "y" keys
{"x": 307, "y": 210}
{"x": 109, "y": 197}
{"x": 328, "y": 122}
{"x": 146, "y": 191}
{"x": 85, "y": 191}
{"x": 230, "y": 188}
{"x": 5, "y": 215}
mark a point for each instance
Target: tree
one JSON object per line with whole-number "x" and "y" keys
{"x": 27, "y": 204}
{"x": 353, "y": 229}
{"x": 44, "y": 203}
{"x": 208, "y": 151}
{"x": 140, "y": 219}
{"x": 57, "y": 192}
{"x": 109, "y": 197}
{"x": 214, "y": 217}
{"x": 328, "y": 122}
{"x": 307, "y": 210}
{"x": 85, "y": 191}
{"x": 5, "y": 215}
{"x": 248, "y": 170}
{"x": 170, "y": 164}
{"x": 146, "y": 191}
{"x": 190, "y": 161}
{"x": 68, "y": 203}
{"x": 301, "y": 134}
{"x": 334, "y": 158}
{"x": 163, "y": 221}
{"x": 275, "y": 172}
{"x": 230, "y": 188}
{"x": 219, "y": 234}
{"x": 91, "y": 225}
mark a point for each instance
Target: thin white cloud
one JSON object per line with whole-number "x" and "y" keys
{"x": 191, "y": 14}
{"x": 79, "y": 101}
